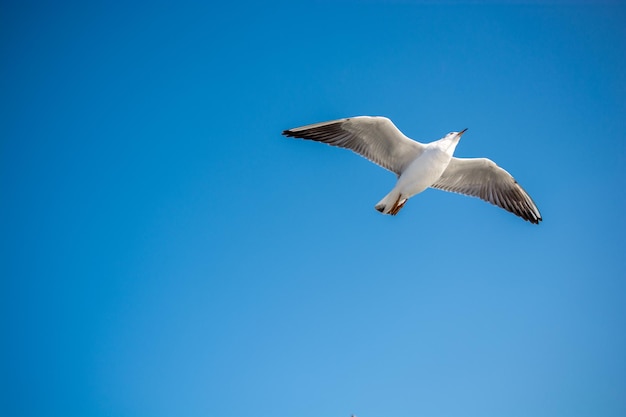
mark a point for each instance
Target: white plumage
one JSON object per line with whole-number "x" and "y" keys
{"x": 420, "y": 166}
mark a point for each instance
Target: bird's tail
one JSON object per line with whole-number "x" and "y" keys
{"x": 391, "y": 203}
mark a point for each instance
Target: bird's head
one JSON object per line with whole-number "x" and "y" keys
{"x": 449, "y": 141}
{"x": 456, "y": 135}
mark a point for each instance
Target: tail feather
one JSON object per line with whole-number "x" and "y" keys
{"x": 391, "y": 203}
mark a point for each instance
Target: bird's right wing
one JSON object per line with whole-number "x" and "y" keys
{"x": 375, "y": 138}
{"x": 482, "y": 178}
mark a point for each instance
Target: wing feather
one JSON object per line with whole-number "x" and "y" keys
{"x": 482, "y": 178}
{"x": 375, "y": 138}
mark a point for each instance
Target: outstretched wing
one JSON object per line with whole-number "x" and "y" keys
{"x": 482, "y": 178}
{"x": 375, "y": 138}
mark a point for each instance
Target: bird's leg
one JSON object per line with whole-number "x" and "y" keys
{"x": 400, "y": 202}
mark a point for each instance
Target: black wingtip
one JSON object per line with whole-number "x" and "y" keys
{"x": 533, "y": 220}
{"x": 288, "y": 133}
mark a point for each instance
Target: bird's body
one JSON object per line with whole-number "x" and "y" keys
{"x": 421, "y": 166}
{"x": 420, "y": 174}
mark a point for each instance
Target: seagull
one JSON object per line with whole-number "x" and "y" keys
{"x": 419, "y": 166}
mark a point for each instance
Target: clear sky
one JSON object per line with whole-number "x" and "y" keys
{"x": 166, "y": 252}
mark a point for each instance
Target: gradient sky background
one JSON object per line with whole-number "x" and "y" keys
{"x": 166, "y": 252}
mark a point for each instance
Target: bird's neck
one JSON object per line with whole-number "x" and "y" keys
{"x": 447, "y": 145}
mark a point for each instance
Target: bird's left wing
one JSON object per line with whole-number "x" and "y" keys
{"x": 375, "y": 138}
{"x": 482, "y": 178}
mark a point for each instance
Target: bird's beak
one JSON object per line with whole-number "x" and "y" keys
{"x": 462, "y": 131}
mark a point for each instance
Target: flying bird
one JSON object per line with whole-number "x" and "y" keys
{"x": 419, "y": 166}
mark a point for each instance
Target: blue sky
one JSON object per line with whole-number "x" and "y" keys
{"x": 166, "y": 252}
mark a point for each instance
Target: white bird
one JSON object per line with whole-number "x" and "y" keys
{"x": 420, "y": 166}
